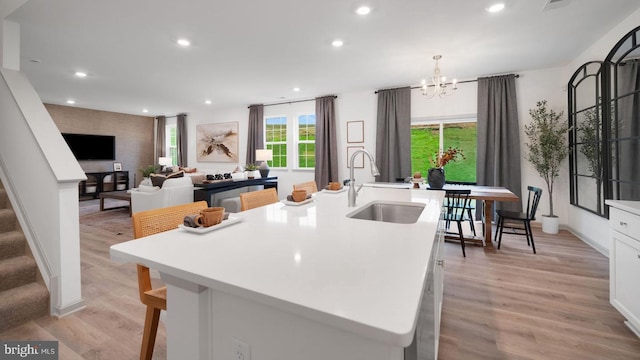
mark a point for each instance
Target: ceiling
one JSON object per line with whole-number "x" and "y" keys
{"x": 245, "y": 52}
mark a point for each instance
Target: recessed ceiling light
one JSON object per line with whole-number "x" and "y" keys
{"x": 337, "y": 43}
{"x": 81, "y": 74}
{"x": 363, "y": 10}
{"x": 71, "y": 102}
{"x": 496, "y": 7}
{"x": 145, "y": 110}
{"x": 296, "y": 89}
{"x": 184, "y": 42}
{"x": 207, "y": 102}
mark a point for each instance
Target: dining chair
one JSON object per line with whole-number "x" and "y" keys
{"x": 456, "y": 206}
{"x": 147, "y": 223}
{"x": 254, "y": 199}
{"x": 310, "y": 186}
{"x": 516, "y": 217}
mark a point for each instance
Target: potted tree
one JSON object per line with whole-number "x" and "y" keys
{"x": 546, "y": 150}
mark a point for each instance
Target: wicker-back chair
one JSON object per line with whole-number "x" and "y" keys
{"x": 310, "y": 186}
{"x": 147, "y": 223}
{"x": 254, "y": 199}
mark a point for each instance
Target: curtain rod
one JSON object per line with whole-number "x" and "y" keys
{"x": 459, "y": 82}
{"x": 297, "y": 101}
{"x": 169, "y": 116}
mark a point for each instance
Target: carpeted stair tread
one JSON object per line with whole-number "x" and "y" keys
{"x": 4, "y": 199}
{"x": 22, "y": 304}
{"x": 7, "y": 220}
{"x": 12, "y": 243}
{"x": 17, "y": 271}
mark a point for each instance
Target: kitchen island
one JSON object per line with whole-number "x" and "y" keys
{"x": 300, "y": 282}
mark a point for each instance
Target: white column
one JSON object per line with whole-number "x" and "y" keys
{"x": 9, "y": 36}
{"x": 188, "y": 319}
{"x": 10, "y": 49}
{"x": 69, "y": 292}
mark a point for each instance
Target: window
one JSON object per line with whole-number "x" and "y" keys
{"x": 429, "y": 137}
{"x": 306, "y": 141}
{"x": 276, "y": 140}
{"x": 171, "y": 147}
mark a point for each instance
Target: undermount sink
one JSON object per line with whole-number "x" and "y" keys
{"x": 389, "y": 211}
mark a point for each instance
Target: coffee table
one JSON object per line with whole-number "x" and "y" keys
{"x": 118, "y": 195}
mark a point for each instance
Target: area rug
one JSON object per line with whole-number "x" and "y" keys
{"x": 116, "y": 221}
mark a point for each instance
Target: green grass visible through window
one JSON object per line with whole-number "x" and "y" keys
{"x": 425, "y": 144}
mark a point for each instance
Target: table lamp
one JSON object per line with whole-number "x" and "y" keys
{"x": 264, "y": 155}
{"x": 164, "y": 162}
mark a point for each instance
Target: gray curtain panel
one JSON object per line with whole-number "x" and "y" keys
{"x": 498, "y": 152}
{"x": 181, "y": 139}
{"x": 393, "y": 134}
{"x": 160, "y": 137}
{"x": 627, "y": 169}
{"x": 256, "y": 132}
{"x": 326, "y": 142}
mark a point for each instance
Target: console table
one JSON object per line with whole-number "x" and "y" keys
{"x": 98, "y": 182}
{"x": 207, "y": 192}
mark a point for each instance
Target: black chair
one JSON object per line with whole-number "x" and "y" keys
{"x": 526, "y": 218}
{"x": 456, "y": 206}
{"x": 471, "y": 208}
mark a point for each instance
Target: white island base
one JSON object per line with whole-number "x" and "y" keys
{"x": 303, "y": 282}
{"x": 208, "y": 324}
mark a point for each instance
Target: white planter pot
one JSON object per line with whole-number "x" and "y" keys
{"x": 550, "y": 224}
{"x": 255, "y": 174}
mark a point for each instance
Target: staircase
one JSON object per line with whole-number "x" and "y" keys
{"x": 23, "y": 295}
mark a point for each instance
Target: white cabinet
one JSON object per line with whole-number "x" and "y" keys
{"x": 624, "y": 260}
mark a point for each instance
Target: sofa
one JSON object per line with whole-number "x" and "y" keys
{"x": 174, "y": 191}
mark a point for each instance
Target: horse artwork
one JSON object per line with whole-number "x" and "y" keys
{"x": 217, "y": 142}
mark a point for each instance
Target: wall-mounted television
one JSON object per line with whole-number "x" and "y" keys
{"x": 91, "y": 147}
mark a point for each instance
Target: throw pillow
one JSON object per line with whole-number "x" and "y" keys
{"x": 157, "y": 179}
{"x": 177, "y": 174}
{"x": 189, "y": 170}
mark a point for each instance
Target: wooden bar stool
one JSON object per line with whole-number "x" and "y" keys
{"x": 147, "y": 223}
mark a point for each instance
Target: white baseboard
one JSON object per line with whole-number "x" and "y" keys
{"x": 604, "y": 251}
{"x": 69, "y": 309}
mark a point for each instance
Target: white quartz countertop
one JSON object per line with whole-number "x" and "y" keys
{"x": 626, "y": 205}
{"x": 358, "y": 275}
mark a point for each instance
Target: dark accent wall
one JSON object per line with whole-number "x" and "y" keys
{"x": 134, "y": 136}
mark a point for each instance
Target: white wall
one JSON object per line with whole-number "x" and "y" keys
{"x": 591, "y": 228}
{"x": 531, "y": 87}
{"x": 349, "y": 107}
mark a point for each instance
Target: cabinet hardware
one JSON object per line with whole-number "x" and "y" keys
{"x": 622, "y": 223}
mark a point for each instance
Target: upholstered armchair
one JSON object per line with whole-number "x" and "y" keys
{"x": 175, "y": 191}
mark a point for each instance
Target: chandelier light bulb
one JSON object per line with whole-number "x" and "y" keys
{"x": 438, "y": 82}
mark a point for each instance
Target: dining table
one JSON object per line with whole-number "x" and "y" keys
{"x": 487, "y": 194}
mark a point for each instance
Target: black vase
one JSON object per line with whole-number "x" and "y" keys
{"x": 435, "y": 178}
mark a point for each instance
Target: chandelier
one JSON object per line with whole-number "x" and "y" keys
{"x": 438, "y": 83}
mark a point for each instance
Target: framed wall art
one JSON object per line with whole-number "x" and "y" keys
{"x": 217, "y": 142}
{"x": 358, "y": 162}
{"x": 355, "y": 131}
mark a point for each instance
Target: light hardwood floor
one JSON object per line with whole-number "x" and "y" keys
{"x": 500, "y": 304}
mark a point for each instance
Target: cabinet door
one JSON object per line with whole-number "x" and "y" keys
{"x": 625, "y": 267}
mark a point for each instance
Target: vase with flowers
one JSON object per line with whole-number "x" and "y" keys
{"x": 436, "y": 177}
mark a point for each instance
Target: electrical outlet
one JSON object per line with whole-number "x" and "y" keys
{"x": 241, "y": 350}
